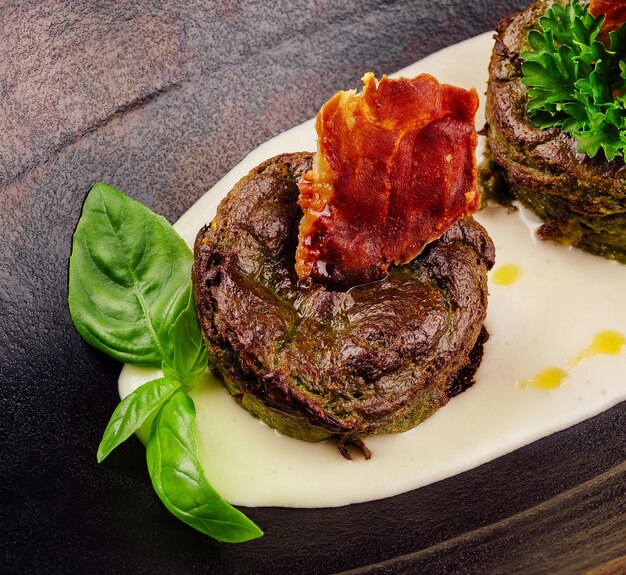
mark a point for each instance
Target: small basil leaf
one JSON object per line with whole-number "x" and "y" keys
{"x": 189, "y": 357}
{"x": 133, "y": 410}
{"x": 172, "y": 456}
{"x": 129, "y": 277}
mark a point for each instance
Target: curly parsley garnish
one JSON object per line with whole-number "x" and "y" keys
{"x": 575, "y": 82}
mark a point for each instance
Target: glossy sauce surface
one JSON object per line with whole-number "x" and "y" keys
{"x": 563, "y": 298}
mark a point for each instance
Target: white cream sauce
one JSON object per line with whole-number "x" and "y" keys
{"x": 558, "y": 302}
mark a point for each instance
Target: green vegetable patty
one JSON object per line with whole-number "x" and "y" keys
{"x": 315, "y": 363}
{"x": 582, "y": 200}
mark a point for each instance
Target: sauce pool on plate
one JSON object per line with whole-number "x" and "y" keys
{"x": 538, "y": 320}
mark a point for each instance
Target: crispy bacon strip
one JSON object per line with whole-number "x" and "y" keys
{"x": 394, "y": 169}
{"x": 615, "y": 13}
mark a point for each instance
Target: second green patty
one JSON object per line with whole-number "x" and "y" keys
{"x": 582, "y": 200}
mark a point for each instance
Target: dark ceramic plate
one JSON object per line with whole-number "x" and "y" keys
{"x": 160, "y": 100}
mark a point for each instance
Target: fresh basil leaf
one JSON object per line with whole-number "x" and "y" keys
{"x": 129, "y": 278}
{"x": 130, "y": 296}
{"x": 189, "y": 359}
{"x": 177, "y": 477}
{"x": 133, "y": 410}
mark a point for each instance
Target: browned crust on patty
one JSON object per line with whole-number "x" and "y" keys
{"x": 314, "y": 362}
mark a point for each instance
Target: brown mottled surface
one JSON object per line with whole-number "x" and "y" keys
{"x": 218, "y": 79}
{"x": 315, "y": 362}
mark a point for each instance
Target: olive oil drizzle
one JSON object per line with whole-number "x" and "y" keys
{"x": 606, "y": 342}
{"x": 549, "y": 378}
{"x": 506, "y": 274}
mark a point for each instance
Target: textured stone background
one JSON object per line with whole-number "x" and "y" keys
{"x": 161, "y": 99}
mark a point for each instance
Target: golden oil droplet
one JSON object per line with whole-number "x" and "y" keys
{"x": 604, "y": 343}
{"x": 506, "y": 274}
{"x": 549, "y": 378}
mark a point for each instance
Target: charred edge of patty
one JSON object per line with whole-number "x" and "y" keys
{"x": 464, "y": 378}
